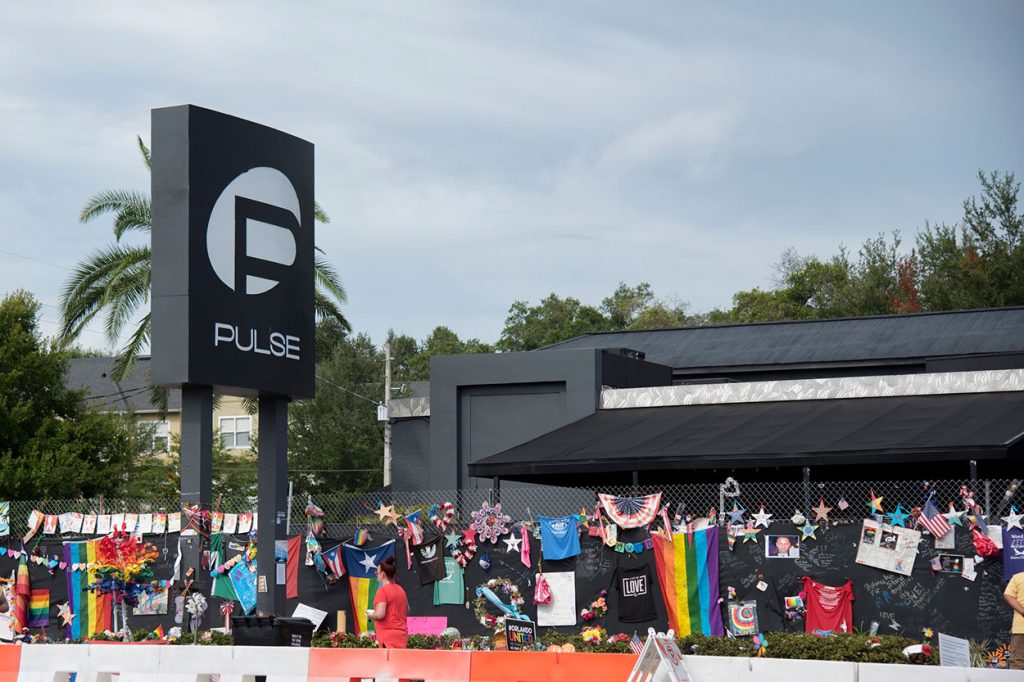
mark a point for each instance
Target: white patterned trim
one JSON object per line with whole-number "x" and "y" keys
{"x": 940, "y": 383}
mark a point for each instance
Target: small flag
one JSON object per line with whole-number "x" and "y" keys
{"x": 931, "y": 519}
{"x": 936, "y": 564}
{"x": 38, "y": 608}
{"x": 360, "y": 538}
{"x": 332, "y": 558}
{"x": 159, "y": 632}
{"x": 635, "y": 645}
{"x": 412, "y": 522}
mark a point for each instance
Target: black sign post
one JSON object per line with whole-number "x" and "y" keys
{"x": 233, "y": 295}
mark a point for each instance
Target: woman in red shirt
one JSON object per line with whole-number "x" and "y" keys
{"x": 390, "y": 608}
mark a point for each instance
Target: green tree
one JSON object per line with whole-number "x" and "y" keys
{"x": 50, "y": 445}
{"x": 336, "y": 443}
{"x": 979, "y": 262}
{"x": 158, "y": 474}
{"x": 554, "y": 319}
{"x": 116, "y": 280}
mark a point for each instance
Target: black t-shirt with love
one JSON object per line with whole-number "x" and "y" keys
{"x": 636, "y": 594}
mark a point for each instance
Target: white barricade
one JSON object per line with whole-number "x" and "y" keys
{"x": 144, "y": 663}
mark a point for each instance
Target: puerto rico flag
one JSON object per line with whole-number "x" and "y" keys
{"x": 333, "y": 560}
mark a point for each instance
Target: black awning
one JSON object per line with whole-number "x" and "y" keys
{"x": 777, "y": 434}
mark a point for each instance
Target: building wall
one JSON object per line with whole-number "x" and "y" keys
{"x": 230, "y": 406}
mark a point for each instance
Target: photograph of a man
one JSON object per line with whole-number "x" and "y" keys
{"x": 782, "y": 547}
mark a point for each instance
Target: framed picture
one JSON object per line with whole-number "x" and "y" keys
{"x": 782, "y": 547}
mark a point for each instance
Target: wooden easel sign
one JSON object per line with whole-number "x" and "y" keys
{"x": 660, "y": 660}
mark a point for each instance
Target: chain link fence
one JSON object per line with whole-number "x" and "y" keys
{"x": 343, "y": 512}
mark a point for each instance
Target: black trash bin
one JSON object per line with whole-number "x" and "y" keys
{"x": 271, "y": 631}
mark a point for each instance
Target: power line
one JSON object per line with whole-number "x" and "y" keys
{"x": 369, "y": 400}
{"x": 43, "y": 262}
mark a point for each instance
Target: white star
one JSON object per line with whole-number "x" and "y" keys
{"x": 953, "y": 517}
{"x": 762, "y": 519}
{"x": 368, "y": 563}
{"x": 512, "y": 544}
{"x": 1013, "y": 520}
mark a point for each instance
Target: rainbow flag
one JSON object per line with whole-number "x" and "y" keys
{"x": 361, "y": 592}
{"x": 22, "y": 592}
{"x": 361, "y": 566}
{"x": 687, "y": 569}
{"x": 93, "y": 611}
{"x": 39, "y": 608}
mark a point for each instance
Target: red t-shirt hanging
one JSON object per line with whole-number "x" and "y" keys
{"x": 829, "y": 609}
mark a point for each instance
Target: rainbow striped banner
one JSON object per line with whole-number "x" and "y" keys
{"x": 39, "y": 608}
{"x": 361, "y": 591}
{"x": 687, "y": 567}
{"x": 92, "y": 611}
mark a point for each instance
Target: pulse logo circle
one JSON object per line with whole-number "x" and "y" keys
{"x": 250, "y": 237}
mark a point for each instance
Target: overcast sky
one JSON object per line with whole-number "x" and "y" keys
{"x": 473, "y": 154}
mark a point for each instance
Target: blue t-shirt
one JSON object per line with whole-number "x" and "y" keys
{"x": 559, "y": 538}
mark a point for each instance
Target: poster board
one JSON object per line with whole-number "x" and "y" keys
{"x": 561, "y": 610}
{"x": 244, "y": 582}
{"x": 890, "y": 548}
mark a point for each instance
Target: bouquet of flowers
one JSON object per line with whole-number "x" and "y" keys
{"x": 594, "y": 635}
{"x": 597, "y": 609}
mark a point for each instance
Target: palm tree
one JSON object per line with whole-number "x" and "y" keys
{"x": 117, "y": 279}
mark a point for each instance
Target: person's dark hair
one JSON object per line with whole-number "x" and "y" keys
{"x": 388, "y": 567}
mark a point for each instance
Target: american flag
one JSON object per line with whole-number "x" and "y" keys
{"x": 332, "y": 558}
{"x": 931, "y": 519}
{"x": 635, "y": 645}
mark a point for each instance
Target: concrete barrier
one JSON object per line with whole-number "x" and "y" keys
{"x": 139, "y": 663}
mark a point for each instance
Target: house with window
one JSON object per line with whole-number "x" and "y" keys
{"x": 235, "y": 427}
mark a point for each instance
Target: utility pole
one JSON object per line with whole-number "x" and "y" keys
{"x": 387, "y": 419}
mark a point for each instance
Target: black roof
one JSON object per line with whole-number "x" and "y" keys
{"x": 102, "y": 392}
{"x": 859, "y": 339}
{"x": 861, "y": 431}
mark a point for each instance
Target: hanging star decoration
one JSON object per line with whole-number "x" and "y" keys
{"x": 387, "y": 515}
{"x": 899, "y": 517}
{"x": 736, "y": 514}
{"x": 821, "y": 511}
{"x": 875, "y": 505}
{"x": 512, "y": 544}
{"x": 762, "y": 518}
{"x": 808, "y": 531}
{"x": 750, "y": 532}
{"x": 1013, "y": 520}
{"x": 65, "y": 614}
{"x": 453, "y": 539}
{"x": 469, "y": 536}
{"x": 954, "y": 517}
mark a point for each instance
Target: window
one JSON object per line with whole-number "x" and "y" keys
{"x": 234, "y": 431}
{"x": 157, "y": 435}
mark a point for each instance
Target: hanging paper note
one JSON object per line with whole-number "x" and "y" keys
{"x": 89, "y": 524}
{"x": 34, "y": 523}
{"x": 153, "y": 603}
{"x": 159, "y": 523}
{"x": 174, "y": 522}
{"x": 116, "y": 521}
{"x": 64, "y": 522}
{"x": 216, "y": 522}
{"x": 561, "y": 609}
{"x": 230, "y": 523}
{"x": 103, "y": 524}
{"x": 145, "y": 526}
{"x": 244, "y": 523}
{"x": 890, "y": 548}
{"x": 5, "y": 519}
{"x": 131, "y": 522}
{"x": 50, "y": 524}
